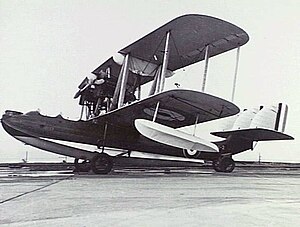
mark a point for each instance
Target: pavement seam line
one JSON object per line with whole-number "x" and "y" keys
{"x": 37, "y": 189}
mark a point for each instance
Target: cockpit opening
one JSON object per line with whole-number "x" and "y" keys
{"x": 95, "y": 95}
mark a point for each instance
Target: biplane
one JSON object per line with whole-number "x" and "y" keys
{"x": 114, "y": 114}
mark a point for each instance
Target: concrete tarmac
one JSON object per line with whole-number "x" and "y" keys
{"x": 155, "y": 197}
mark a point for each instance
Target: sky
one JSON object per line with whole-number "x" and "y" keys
{"x": 48, "y": 47}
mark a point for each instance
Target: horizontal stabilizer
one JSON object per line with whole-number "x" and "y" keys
{"x": 169, "y": 136}
{"x": 254, "y": 134}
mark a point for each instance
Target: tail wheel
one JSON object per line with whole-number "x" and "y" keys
{"x": 102, "y": 163}
{"x": 225, "y": 164}
{"x": 82, "y": 165}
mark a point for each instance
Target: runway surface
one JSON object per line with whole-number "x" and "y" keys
{"x": 150, "y": 197}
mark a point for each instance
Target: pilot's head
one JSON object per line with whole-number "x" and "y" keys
{"x": 102, "y": 75}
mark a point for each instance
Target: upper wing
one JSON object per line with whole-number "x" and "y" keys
{"x": 134, "y": 80}
{"x": 190, "y": 34}
{"x": 177, "y": 108}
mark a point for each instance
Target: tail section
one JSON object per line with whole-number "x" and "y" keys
{"x": 281, "y": 117}
{"x": 244, "y": 119}
{"x": 264, "y": 117}
{"x": 271, "y": 117}
{"x": 258, "y": 124}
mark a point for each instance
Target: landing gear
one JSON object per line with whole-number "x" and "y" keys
{"x": 82, "y": 165}
{"x": 102, "y": 163}
{"x": 224, "y": 164}
{"x": 216, "y": 164}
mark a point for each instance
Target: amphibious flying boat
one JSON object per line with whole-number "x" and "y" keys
{"x": 114, "y": 115}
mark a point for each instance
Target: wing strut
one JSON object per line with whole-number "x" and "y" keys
{"x": 153, "y": 88}
{"x": 139, "y": 88}
{"x": 195, "y": 126}
{"x": 119, "y": 93}
{"x": 235, "y": 73}
{"x": 165, "y": 63}
{"x": 156, "y": 111}
{"x": 205, "y": 68}
{"x": 160, "y": 75}
{"x": 123, "y": 82}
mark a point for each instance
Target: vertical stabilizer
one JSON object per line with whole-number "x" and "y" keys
{"x": 244, "y": 119}
{"x": 282, "y": 115}
{"x": 271, "y": 117}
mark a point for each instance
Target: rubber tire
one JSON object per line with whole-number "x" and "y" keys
{"x": 216, "y": 165}
{"x": 227, "y": 165}
{"x": 85, "y": 166}
{"x": 102, "y": 163}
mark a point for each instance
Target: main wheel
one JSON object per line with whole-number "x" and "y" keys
{"x": 82, "y": 165}
{"x": 224, "y": 164}
{"x": 227, "y": 165}
{"x": 216, "y": 165}
{"x": 102, "y": 163}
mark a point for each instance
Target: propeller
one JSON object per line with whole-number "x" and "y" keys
{"x": 89, "y": 81}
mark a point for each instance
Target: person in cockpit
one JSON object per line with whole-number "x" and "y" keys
{"x": 93, "y": 91}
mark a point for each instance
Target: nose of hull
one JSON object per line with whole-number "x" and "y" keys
{"x": 7, "y": 122}
{"x": 10, "y": 113}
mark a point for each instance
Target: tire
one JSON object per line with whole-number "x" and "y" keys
{"x": 102, "y": 163}
{"x": 216, "y": 165}
{"x": 227, "y": 165}
{"x": 84, "y": 166}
